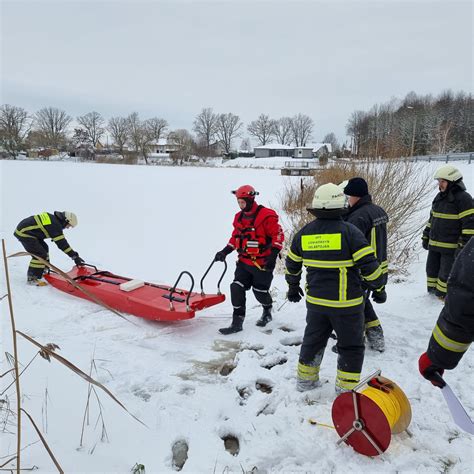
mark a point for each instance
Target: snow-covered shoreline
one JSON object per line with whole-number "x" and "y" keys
{"x": 150, "y": 223}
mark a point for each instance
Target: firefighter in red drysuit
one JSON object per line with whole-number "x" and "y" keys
{"x": 258, "y": 239}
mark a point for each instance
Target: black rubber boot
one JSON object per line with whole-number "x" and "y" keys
{"x": 266, "y": 317}
{"x": 236, "y": 325}
{"x": 375, "y": 338}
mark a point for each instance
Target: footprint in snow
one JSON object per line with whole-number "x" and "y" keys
{"x": 226, "y": 369}
{"x": 292, "y": 341}
{"x": 231, "y": 444}
{"x": 274, "y": 363}
{"x": 180, "y": 454}
{"x": 263, "y": 387}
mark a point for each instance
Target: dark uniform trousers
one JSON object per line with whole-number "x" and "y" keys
{"x": 454, "y": 330}
{"x": 349, "y": 329}
{"x": 37, "y": 247}
{"x": 246, "y": 277}
{"x": 370, "y": 316}
{"x": 438, "y": 267}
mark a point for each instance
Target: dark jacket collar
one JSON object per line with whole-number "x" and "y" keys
{"x": 367, "y": 199}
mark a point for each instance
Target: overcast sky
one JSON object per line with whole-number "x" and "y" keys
{"x": 172, "y": 58}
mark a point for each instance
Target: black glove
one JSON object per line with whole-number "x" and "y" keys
{"x": 430, "y": 371}
{"x": 295, "y": 293}
{"x": 79, "y": 261}
{"x": 222, "y": 254}
{"x": 425, "y": 243}
{"x": 270, "y": 261}
{"x": 379, "y": 296}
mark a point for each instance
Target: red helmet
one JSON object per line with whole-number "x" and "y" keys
{"x": 245, "y": 191}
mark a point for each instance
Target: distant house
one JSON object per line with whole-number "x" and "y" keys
{"x": 273, "y": 149}
{"x": 321, "y": 149}
{"x": 163, "y": 145}
{"x": 303, "y": 152}
{"x": 41, "y": 152}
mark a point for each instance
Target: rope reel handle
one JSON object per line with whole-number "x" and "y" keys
{"x": 219, "y": 281}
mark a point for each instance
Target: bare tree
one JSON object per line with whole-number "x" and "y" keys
{"x": 331, "y": 138}
{"x": 118, "y": 129}
{"x": 282, "y": 131}
{"x": 156, "y": 127}
{"x": 205, "y": 126}
{"x": 139, "y": 135}
{"x": 135, "y": 130}
{"x": 301, "y": 129}
{"x": 184, "y": 143}
{"x": 52, "y": 124}
{"x": 15, "y": 125}
{"x": 262, "y": 129}
{"x": 228, "y": 128}
{"x": 93, "y": 124}
{"x": 354, "y": 129}
{"x": 246, "y": 145}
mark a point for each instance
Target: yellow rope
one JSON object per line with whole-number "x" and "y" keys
{"x": 314, "y": 422}
{"x": 254, "y": 260}
{"x": 387, "y": 402}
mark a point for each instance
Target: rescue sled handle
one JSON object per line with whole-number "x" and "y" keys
{"x": 173, "y": 290}
{"x": 220, "y": 279}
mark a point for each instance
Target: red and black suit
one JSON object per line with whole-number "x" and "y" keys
{"x": 258, "y": 239}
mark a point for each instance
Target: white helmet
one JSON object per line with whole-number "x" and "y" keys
{"x": 328, "y": 196}
{"x": 343, "y": 184}
{"x": 448, "y": 173}
{"x": 71, "y": 218}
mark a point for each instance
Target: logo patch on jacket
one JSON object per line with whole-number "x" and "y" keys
{"x": 321, "y": 242}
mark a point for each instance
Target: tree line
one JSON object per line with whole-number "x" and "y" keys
{"x": 415, "y": 125}
{"x": 214, "y": 133}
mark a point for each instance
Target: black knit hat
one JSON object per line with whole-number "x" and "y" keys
{"x": 356, "y": 187}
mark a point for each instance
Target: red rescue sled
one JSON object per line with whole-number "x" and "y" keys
{"x": 150, "y": 301}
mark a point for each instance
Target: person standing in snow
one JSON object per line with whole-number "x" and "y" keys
{"x": 450, "y": 226}
{"x": 32, "y": 232}
{"x": 454, "y": 330}
{"x": 371, "y": 220}
{"x": 258, "y": 239}
{"x": 338, "y": 259}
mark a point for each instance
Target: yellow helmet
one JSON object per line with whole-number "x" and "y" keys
{"x": 71, "y": 218}
{"x": 448, "y": 173}
{"x": 328, "y": 196}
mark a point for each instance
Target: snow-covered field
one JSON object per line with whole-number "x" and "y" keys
{"x": 150, "y": 223}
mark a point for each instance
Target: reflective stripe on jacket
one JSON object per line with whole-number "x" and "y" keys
{"x": 44, "y": 226}
{"x": 451, "y": 221}
{"x": 372, "y": 221}
{"x": 336, "y": 256}
{"x": 454, "y": 330}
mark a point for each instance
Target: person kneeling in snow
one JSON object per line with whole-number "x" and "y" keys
{"x": 454, "y": 330}
{"x": 31, "y": 233}
{"x": 337, "y": 258}
{"x": 258, "y": 239}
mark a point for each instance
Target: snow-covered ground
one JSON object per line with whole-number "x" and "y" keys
{"x": 150, "y": 223}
